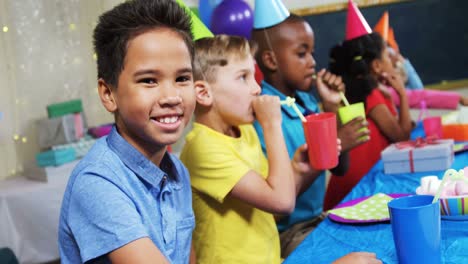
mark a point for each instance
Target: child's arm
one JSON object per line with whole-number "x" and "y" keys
{"x": 304, "y": 173}
{"x": 433, "y": 98}
{"x": 358, "y": 258}
{"x": 193, "y": 256}
{"x": 275, "y": 194}
{"x": 395, "y": 129}
{"x": 142, "y": 250}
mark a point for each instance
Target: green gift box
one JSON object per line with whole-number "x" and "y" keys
{"x": 64, "y": 108}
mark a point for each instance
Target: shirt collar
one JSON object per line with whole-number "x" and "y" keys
{"x": 308, "y": 99}
{"x": 142, "y": 166}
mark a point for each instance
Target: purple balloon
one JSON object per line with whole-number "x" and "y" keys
{"x": 232, "y": 17}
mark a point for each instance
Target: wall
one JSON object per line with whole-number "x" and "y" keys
{"x": 46, "y": 57}
{"x": 432, "y": 33}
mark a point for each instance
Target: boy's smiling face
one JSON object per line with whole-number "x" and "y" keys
{"x": 294, "y": 54}
{"x": 234, "y": 90}
{"x": 155, "y": 96}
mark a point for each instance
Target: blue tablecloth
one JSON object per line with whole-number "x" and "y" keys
{"x": 332, "y": 240}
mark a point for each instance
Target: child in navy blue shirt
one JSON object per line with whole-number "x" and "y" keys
{"x": 128, "y": 200}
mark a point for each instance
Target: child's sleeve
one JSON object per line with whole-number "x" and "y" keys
{"x": 101, "y": 217}
{"x": 373, "y": 99}
{"x": 414, "y": 82}
{"x": 214, "y": 168}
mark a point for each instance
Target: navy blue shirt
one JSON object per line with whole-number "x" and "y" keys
{"x": 310, "y": 203}
{"x": 115, "y": 195}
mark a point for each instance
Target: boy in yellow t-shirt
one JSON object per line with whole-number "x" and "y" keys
{"x": 236, "y": 190}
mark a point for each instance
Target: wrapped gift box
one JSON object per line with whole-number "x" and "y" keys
{"x": 64, "y": 108}
{"x": 414, "y": 156}
{"x": 60, "y": 130}
{"x": 50, "y": 173}
{"x": 55, "y": 157}
{"x": 81, "y": 147}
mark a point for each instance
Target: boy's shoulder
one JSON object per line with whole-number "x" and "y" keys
{"x": 202, "y": 135}
{"x": 100, "y": 163}
{"x": 203, "y": 141}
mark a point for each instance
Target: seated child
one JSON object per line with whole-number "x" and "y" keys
{"x": 236, "y": 190}
{"x": 413, "y": 84}
{"x": 367, "y": 70}
{"x": 286, "y": 59}
{"x": 432, "y": 98}
{"x": 128, "y": 200}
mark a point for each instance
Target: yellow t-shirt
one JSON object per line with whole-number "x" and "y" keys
{"x": 228, "y": 230}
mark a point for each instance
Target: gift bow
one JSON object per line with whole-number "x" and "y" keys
{"x": 417, "y": 143}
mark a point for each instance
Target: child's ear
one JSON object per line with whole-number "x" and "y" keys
{"x": 376, "y": 66}
{"x": 106, "y": 95}
{"x": 269, "y": 60}
{"x": 203, "y": 93}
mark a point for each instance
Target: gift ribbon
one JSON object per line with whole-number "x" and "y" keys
{"x": 417, "y": 143}
{"x": 79, "y": 130}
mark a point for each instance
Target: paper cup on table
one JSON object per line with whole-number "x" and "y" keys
{"x": 433, "y": 126}
{"x": 415, "y": 224}
{"x": 320, "y": 134}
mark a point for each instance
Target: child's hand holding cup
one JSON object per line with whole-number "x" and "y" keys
{"x": 350, "y": 112}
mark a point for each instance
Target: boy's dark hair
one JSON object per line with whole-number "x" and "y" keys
{"x": 266, "y": 38}
{"x": 119, "y": 25}
{"x": 352, "y": 61}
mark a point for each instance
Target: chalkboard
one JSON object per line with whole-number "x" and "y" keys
{"x": 433, "y": 34}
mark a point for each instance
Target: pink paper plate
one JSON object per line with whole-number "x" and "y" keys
{"x": 337, "y": 218}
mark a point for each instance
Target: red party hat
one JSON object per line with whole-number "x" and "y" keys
{"x": 356, "y": 24}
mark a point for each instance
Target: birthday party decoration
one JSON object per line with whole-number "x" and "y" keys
{"x": 199, "y": 30}
{"x": 356, "y": 24}
{"x": 382, "y": 26}
{"x": 418, "y": 156}
{"x": 232, "y": 17}
{"x": 391, "y": 40}
{"x": 269, "y": 13}
{"x": 206, "y": 8}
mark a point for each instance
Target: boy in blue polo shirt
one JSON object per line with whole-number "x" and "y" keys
{"x": 128, "y": 200}
{"x": 285, "y": 57}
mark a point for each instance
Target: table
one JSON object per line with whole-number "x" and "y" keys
{"x": 332, "y": 240}
{"x": 29, "y": 215}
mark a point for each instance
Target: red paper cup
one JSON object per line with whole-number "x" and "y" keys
{"x": 320, "y": 134}
{"x": 433, "y": 126}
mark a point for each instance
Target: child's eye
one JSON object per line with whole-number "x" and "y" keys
{"x": 147, "y": 80}
{"x": 243, "y": 77}
{"x": 184, "y": 78}
{"x": 301, "y": 54}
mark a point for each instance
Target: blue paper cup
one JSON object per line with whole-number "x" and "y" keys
{"x": 416, "y": 229}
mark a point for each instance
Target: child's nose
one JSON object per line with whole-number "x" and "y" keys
{"x": 312, "y": 61}
{"x": 170, "y": 100}
{"x": 170, "y": 95}
{"x": 256, "y": 88}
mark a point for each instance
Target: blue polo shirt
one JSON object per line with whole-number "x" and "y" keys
{"x": 115, "y": 195}
{"x": 310, "y": 203}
